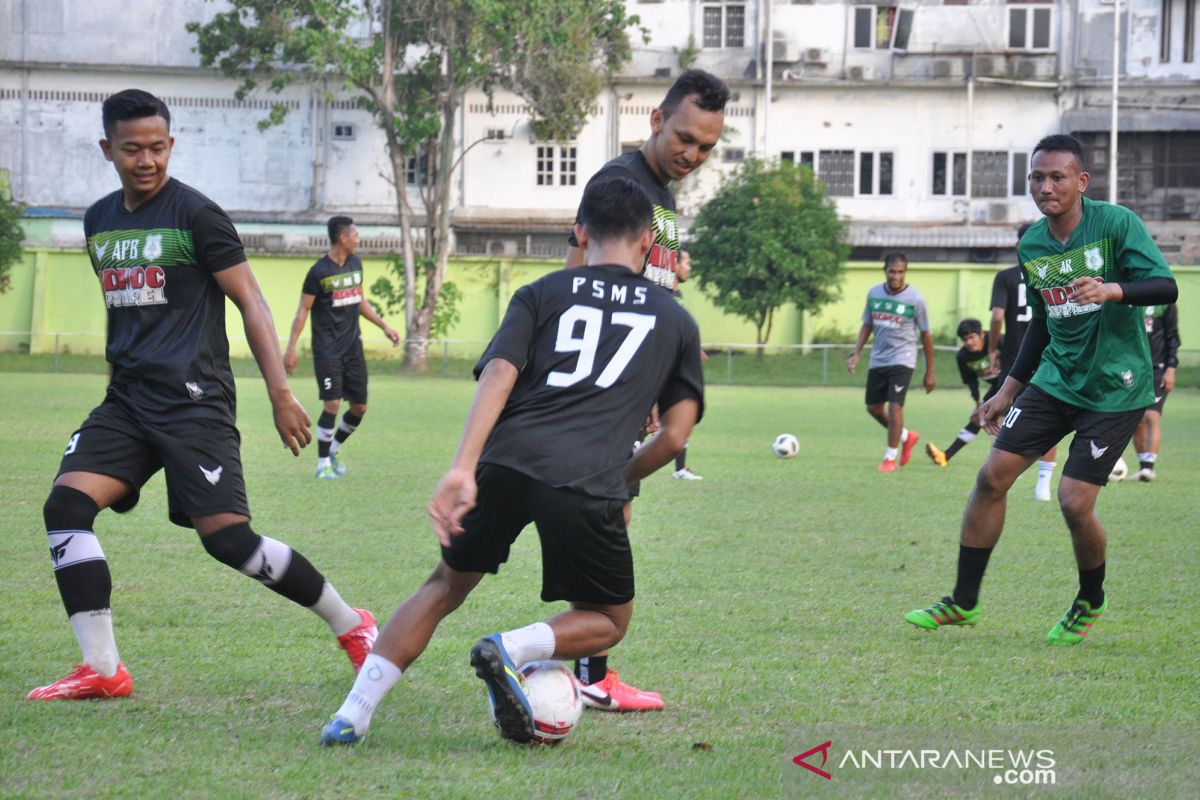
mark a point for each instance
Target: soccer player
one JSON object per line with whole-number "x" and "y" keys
{"x": 564, "y": 386}
{"x": 683, "y": 270}
{"x": 1162, "y": 330}
{"x": 167, "y": 257}
{"x": 1084, "y": 366}
{"x": 973, "y": 364}
{"x": 684, "y": 129}
{"x": 333, "y": 292}
{"x": 896, "y": 313}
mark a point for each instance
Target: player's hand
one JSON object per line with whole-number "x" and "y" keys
{"x": 990, "y": 414}
{"x": 289, "y": 361}
{"x": 993, "y": 362}
{"x": 291, "y": 421}
{"x": 852, "y": 362}
{"x": 452, "y": 499}
{"x": 930, "y": 381}
{"x": 1087, "y": 290}
{"x": 1169, "y": 379}
{"x": 391, "y": 334}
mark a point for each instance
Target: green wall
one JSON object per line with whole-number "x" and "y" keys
{"x": 55, "y": 302}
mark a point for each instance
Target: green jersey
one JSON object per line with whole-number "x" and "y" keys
{"x": 1098, "y": 358}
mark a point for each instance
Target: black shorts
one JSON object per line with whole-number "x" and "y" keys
{"x": 1160, "y": 392}
{"x": 201, "y": 458}
{"x": 585, "y": 549}
{"x": 1036, "y": 422}
{"x": 888, "y": 384}
{"x": 342, "y": 377}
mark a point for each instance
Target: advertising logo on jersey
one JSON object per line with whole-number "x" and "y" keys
{"x": 890, "y": 313}
{"x": 344, "y": 289}
{"x": 1051, "y": 277}
{"x": 125, "y": 276}
{"x": 664, "y": 253}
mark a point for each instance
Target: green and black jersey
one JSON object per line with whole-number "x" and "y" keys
{"x": 1098, "y": 358}
{"x": 166, "y": 314}
{"x": 338, "y": 295}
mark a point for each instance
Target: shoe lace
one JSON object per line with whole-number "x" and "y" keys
{"x": 945, "y": 605}
{"x": 1072, "y": 617}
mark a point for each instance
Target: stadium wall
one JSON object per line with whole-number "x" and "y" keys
{"x": 55, "y": 306}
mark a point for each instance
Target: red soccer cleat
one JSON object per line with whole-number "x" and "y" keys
{"x": 358, "y": 641}
{"x": 906, "y": 449}
{"x": 611, "y": 694}
{"x": 85, "y": 684}
{"x": 888, "y": 465}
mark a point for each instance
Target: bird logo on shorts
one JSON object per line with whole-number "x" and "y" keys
{"x": 213, "y": 475}
{"x": 1097, "y": 451}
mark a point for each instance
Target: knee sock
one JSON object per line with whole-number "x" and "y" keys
{"x": 82, "y": 575}
{"x": 532, "y": 643}
{"x": 592, "y": 669}
{"x": 1091, "y": 586}
{"x": 348, "y": 426}
{"x": 374, "y": 681}
{"x": 972, "y": 563}
{"x": 1045, "y": 474}
{"x": 282, "y": 570}
{"x": 681, "y": 459}
{"x": 964, "y": 438}
{"x": 324, "y": 434}
{"x": 1146, "y": 460}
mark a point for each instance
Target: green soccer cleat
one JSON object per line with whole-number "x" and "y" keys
{"x": 943, "y": 612}
{"x": 1076, "y": 623}
{"x": 338, "y": 466}
{"x": 328, "y": 473}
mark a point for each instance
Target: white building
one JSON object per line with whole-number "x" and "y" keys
{"x": 919, "y": 117}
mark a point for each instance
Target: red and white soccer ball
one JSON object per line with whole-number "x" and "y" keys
{"x": 553, "y": 694}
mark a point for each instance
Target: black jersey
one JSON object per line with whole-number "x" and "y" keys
{"x": 166, "y": 313}
{"x": 1162, "y": 328}
{"x": 1009, "y": 293}
{"x": 338, "y": 292}
{"x": 597, "y": 347}
{"x": 974, "y": 364}
{"x": 660, "y": 261}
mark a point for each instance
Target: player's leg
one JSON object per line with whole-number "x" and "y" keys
{"x": 876, "y": 399}
{"x": 354, "y": 384}
{"x": 329, "y": 390}
{"x": 681, "y": 470}
{"x": 1146, "y": 441}
{"x": 965, "y": 436}
{"x": 1046, "y": 464}
{"x": 900, "y": 438}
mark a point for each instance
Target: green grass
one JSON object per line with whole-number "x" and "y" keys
{"x": 769, "y": 612}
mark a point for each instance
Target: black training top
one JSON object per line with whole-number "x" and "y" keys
{"x": 338, "y": 292}
{"x": 1008, "y": 292}
{"x": 166, "y": 313}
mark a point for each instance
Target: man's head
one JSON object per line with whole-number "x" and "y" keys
{"x": 970, "y": 331}
{"x": 137, "y": 140}
{"x": 687, "y": 124}
{"x": 1057, "y": 178}
{"x": 615, "y": 212}
{"x": 343, "y": 233}
{"x": 895, "y": 269}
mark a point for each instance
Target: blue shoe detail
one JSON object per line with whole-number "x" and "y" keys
{"x": 513, "y": 714}
{"x": 339, "y": 731}
{"x": 328, "y": 473}
{"x": 338, "y": 466}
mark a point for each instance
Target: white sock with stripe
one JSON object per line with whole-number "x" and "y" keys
{"x": 374, "y": 681}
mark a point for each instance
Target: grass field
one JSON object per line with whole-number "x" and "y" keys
{"x": 769, "y": 605}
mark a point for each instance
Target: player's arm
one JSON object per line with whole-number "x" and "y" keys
{"x": 1170, "y": 322}
{"x": 1145, "y": 292}
{"x": 994, "y": 336}
{"x": 368, "y": 311}
{"x": 675, "y": 426}
{"x": 864, "y": 333}
{"x": 291, "y": 421}
{"x": 289, "y": 355}
{"x": 455, "y": 493}
{"x": 930, "y": 379}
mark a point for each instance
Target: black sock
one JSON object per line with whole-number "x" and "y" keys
{"x": 1146, "y": 465}
{"x": 955, "y": 446}
{"x": 972, "y": 563}
{"x": 269, "y": 561}
{"x": 1091, "y": 586}
{"x": 349, "y": 424}
{"x": 591, "y": 670}
{"x": 681, "y": 459}
{"x": 325, "y": 424}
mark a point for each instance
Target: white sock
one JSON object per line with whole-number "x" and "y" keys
{"x": 94, "y": 632}
{"x": 1148, "y": 457}
{"x": 338, "y": 615}
{"x": 1045, "y": 473}
{"x": 966, "y": 436}
{"x": 322, "y": 463}
{"x": 903, "y": 435}
{"x": 334, "y": 446}
{"x": 532, "y": 643}
{"x": 374, "y": 681}
{"x": 889, "y": 453}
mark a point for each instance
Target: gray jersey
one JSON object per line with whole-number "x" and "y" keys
{"x": 895, "y": 320}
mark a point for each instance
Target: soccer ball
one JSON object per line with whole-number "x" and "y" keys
{"x": 786, "y": 445}
{"x": 553, "y": 694}
{"x": 1119, "y": 470}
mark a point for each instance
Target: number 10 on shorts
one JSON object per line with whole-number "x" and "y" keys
{"x": 1010, "y": 419}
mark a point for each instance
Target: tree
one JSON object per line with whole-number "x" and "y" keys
{"x": 410, "y": 62}
{"x": 10, "y": 235}
{"x": 768, "y": 237}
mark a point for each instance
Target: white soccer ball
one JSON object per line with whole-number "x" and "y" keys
{"x": 1119, "y": 470}
{"x": 554, "y": 696}
{"x": 786, "y": 445}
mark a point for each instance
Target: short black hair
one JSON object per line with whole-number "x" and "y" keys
{"x": 1021, "y": 230}
{"x": 615, "y": 208}
{"x": 893, "y": 257}
{"x": 969, "y": 325}
{"x": 131, "y": 104}
{"x": 337, "y": 226}
{"x": 1063, "y": 143}
{"x": 710, "y": 91}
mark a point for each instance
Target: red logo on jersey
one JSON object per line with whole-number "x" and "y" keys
{"x": 133, "y": 286}
{"x": 347, "y": 297}
{"x": 1061, "y": 295}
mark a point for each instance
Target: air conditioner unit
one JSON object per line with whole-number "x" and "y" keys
{"x": 997, "y": 212}
{"x": 785, "y": 50}
{"x": 862, "y": 72}
{"x": 502, "y": 247}
{"x": 816, "y": 55}
{"x": 946, "y": 68}
{"x": 1025, "y": 68}
{"x": 989, "y": 66}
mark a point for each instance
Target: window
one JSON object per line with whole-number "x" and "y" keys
{"x": 1029, "y": 27}
{"x": 1171, "y": 38}
{"x": 416, "y": 169}
{"x": 994, "y": 173}
{"x": 1020, "y": 175}
{"x": 1189, "y": 32}
{"x": 724, "y": 25}
{"x": 788, "y": 156}
{"x": 875, "y": 27}
{"x": 729, "y": 154}
{"x": 950, "y": 174}
{"x": 1159, "y": 172}
{"x": 874, "y": 173}
{"x": 343, "y": 131}
{"x": 836, "y": 168}
{"x": 989, "y": 173}
{"x": 1164, "y": 32}
{"x": 561, "y": 159}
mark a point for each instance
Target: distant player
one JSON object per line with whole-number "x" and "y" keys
{"x": 897, "y": 315}
{"x": 1084, "y": 367}
{"x": 564, "y": 387}
{"x": 1162, "y": 330}
{"x": 333, "y": 292}
{"x": 167, "y": 257}
{"x": 684, "y": 130}
{"x": 974, "y": 365}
